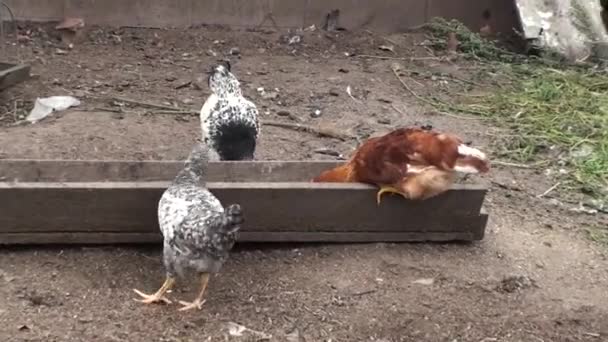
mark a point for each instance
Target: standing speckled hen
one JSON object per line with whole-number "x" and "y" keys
{"x": 198, "y": 233}
{"x": 229, "y": 121}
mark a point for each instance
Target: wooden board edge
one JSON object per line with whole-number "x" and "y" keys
{"x": 28, "y": 162}
{"x": 99, "y": 238}
{"x": 480, "y": 233}
{"x": 210, "y": 185}
{"x": 14, "y": 75}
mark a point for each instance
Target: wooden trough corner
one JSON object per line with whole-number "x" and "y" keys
{"x": 99, "y": 202}
{"x": 11, "y": 74}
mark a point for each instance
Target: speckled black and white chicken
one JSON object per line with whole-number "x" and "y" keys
{"x": 198, "y": 233}
{"x": 229, "y": 121}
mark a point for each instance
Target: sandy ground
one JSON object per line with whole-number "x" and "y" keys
{"x": 535, "y": 276}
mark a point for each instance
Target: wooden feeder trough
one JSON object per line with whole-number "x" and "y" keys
{"x": 44, "y": 202}
{"x": 11, "y": 74}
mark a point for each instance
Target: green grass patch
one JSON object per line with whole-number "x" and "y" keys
{"x": 556, "y": 112}
{"x": 599, "y": 235}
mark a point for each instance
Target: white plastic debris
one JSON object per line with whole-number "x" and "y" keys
{"x": 45, "y": 106}
{"x": 237, "y": 330}
{"x": 294, "y": 40}
{"x": 424, "y": 281}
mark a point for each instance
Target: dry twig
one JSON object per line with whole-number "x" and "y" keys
{"x": 320, "y": 131}
{"x": 519, "y": 166}
{"x": 397, "y": 109}
{"x": 549, "y": 190}
{"x": 399, "y": 58}
{"x": 172, "y": 110}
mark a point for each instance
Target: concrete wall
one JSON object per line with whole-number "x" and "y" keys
{"x": 380, "y": 15}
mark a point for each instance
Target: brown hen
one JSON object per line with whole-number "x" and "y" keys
{"x": 413, "y": 162}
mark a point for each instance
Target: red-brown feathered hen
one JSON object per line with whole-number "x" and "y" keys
{"x": 413, "y": 162}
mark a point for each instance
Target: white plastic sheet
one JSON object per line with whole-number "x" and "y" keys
{"x": 45, "y": 106}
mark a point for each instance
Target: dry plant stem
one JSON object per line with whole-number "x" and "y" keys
{"x": 170, "y": 110}
{"x": 148, "y": 104}
{"x": 549, "y": 190}
{"x": 399, "y": 58}
{"x": 320, "y": 131}
{"x": 411, "y": 91}
{"x": 397, "y": 109}
{"x": 520, "y": 166}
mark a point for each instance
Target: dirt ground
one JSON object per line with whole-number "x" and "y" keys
{"x": 535, "y": 276}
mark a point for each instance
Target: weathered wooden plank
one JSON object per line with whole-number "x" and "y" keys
{"x": 339, "y": 237}
{"x": 130, "y": 207}
{"x": 11, "y": 74}
{"x": 28, "y": 170}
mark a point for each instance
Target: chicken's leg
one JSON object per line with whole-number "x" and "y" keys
{"x": 159, "y": 295}
{"x": 199, "y": 301}
{"x": 388, "y": 189}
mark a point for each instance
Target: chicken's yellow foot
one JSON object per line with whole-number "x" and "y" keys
{"x": 387, "y": 189}
{"x": 199, "y": 301}
{"x": 159, "y": 296}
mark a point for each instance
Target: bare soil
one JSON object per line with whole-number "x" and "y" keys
{"x": 535, "y": 276}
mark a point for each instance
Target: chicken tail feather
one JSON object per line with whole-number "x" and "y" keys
{"x": 340, "y": 174}
{"x": 471, "y": 160}
{"x": 234, "y": 218}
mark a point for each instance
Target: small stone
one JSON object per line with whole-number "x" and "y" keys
{"x": 334, "y": 92}
{"x": 511, "y": 284}
{"x": 294, "y": 336}
{"x": 235, "y": 51}
{"x": 118, "y": 116}
{"x": 283, "y": 113}
{"x": 384, "y": 121}
{"x": 270, "y": 95}
{"x": 316, "y": 113}
{"x": 387, "y": 48}
{"x": 199, "y": 83}
{"x": 328, "y": 151}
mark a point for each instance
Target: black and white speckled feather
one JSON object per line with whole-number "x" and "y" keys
{"x": 198, "y": 233}
{"x": 229, "y": 121}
